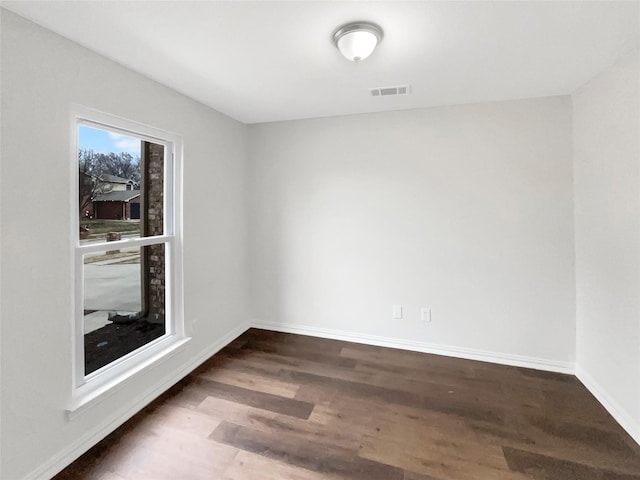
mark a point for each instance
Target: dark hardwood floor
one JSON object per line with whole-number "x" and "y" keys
{"x": 280, "y": 406}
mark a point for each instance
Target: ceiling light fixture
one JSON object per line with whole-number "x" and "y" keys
{"x": 356, "y": 41}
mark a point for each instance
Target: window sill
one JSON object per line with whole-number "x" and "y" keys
{"x": 88, "y": 399}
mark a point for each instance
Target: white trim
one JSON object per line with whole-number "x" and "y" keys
{"x": 56, "y": 463}
{"x": 620, "y": 415}
{"x": 424, "y": 347}
{"x": 85, "y": 401}
{"x": 77, "y": 292}
{"x": 88, "y": 387}
{"x": 176, "y": 255}
{"x": 104, "y": 379}
{"x": 125, "y": 243}
{"x": 105, "y": 121}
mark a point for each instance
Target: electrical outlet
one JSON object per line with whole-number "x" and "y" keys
{"x": 425, "y": 314}
{"x": 397, "y": 312}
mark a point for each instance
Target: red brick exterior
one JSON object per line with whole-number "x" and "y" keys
{"x": 153, "y": 224}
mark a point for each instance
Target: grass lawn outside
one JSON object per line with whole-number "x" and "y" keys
{"x": 99, "y": 227}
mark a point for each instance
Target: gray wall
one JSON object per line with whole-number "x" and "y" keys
{"x": 42, "y": 76}
{"x": 606, "y": 117}
{"x": 467, "y": 210}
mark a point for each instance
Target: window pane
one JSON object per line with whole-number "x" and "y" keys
{"x": 124, "y": 302}
{"x": 121, "y": 186}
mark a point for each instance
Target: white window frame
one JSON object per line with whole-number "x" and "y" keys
{"x": 87, "y": 388}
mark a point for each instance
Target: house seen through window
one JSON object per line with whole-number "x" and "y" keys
{"x": 123, "y": 245}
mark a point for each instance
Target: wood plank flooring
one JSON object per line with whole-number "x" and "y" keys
{"x": 280, "y": 406}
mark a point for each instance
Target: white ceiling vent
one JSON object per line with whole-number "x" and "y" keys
{"x": 389, "y": 91}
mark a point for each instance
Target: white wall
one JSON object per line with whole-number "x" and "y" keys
{"x": 606, "y": 120}
{"x": 467, "y": 210}
{"x": 42, "y": 75}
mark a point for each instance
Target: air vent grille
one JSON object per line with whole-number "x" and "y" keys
{"x": 390, "y": 91}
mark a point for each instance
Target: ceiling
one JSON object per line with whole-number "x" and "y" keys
{"x": 268, "y": 61}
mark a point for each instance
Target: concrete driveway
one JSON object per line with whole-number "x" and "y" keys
{"x": 109, "y": 288}
{"x": 112, "y": 287}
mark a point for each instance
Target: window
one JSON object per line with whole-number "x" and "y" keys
{"x": 127, "y": 248}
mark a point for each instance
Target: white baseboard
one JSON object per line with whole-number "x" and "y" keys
{"x": 83, "y": 443}
{"x": 424, "y": 347}
{"x": 55, "y": 464}
{"x": 626, "y": 421}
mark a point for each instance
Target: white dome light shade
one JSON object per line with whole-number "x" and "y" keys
{"x": 356, "y": 41}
